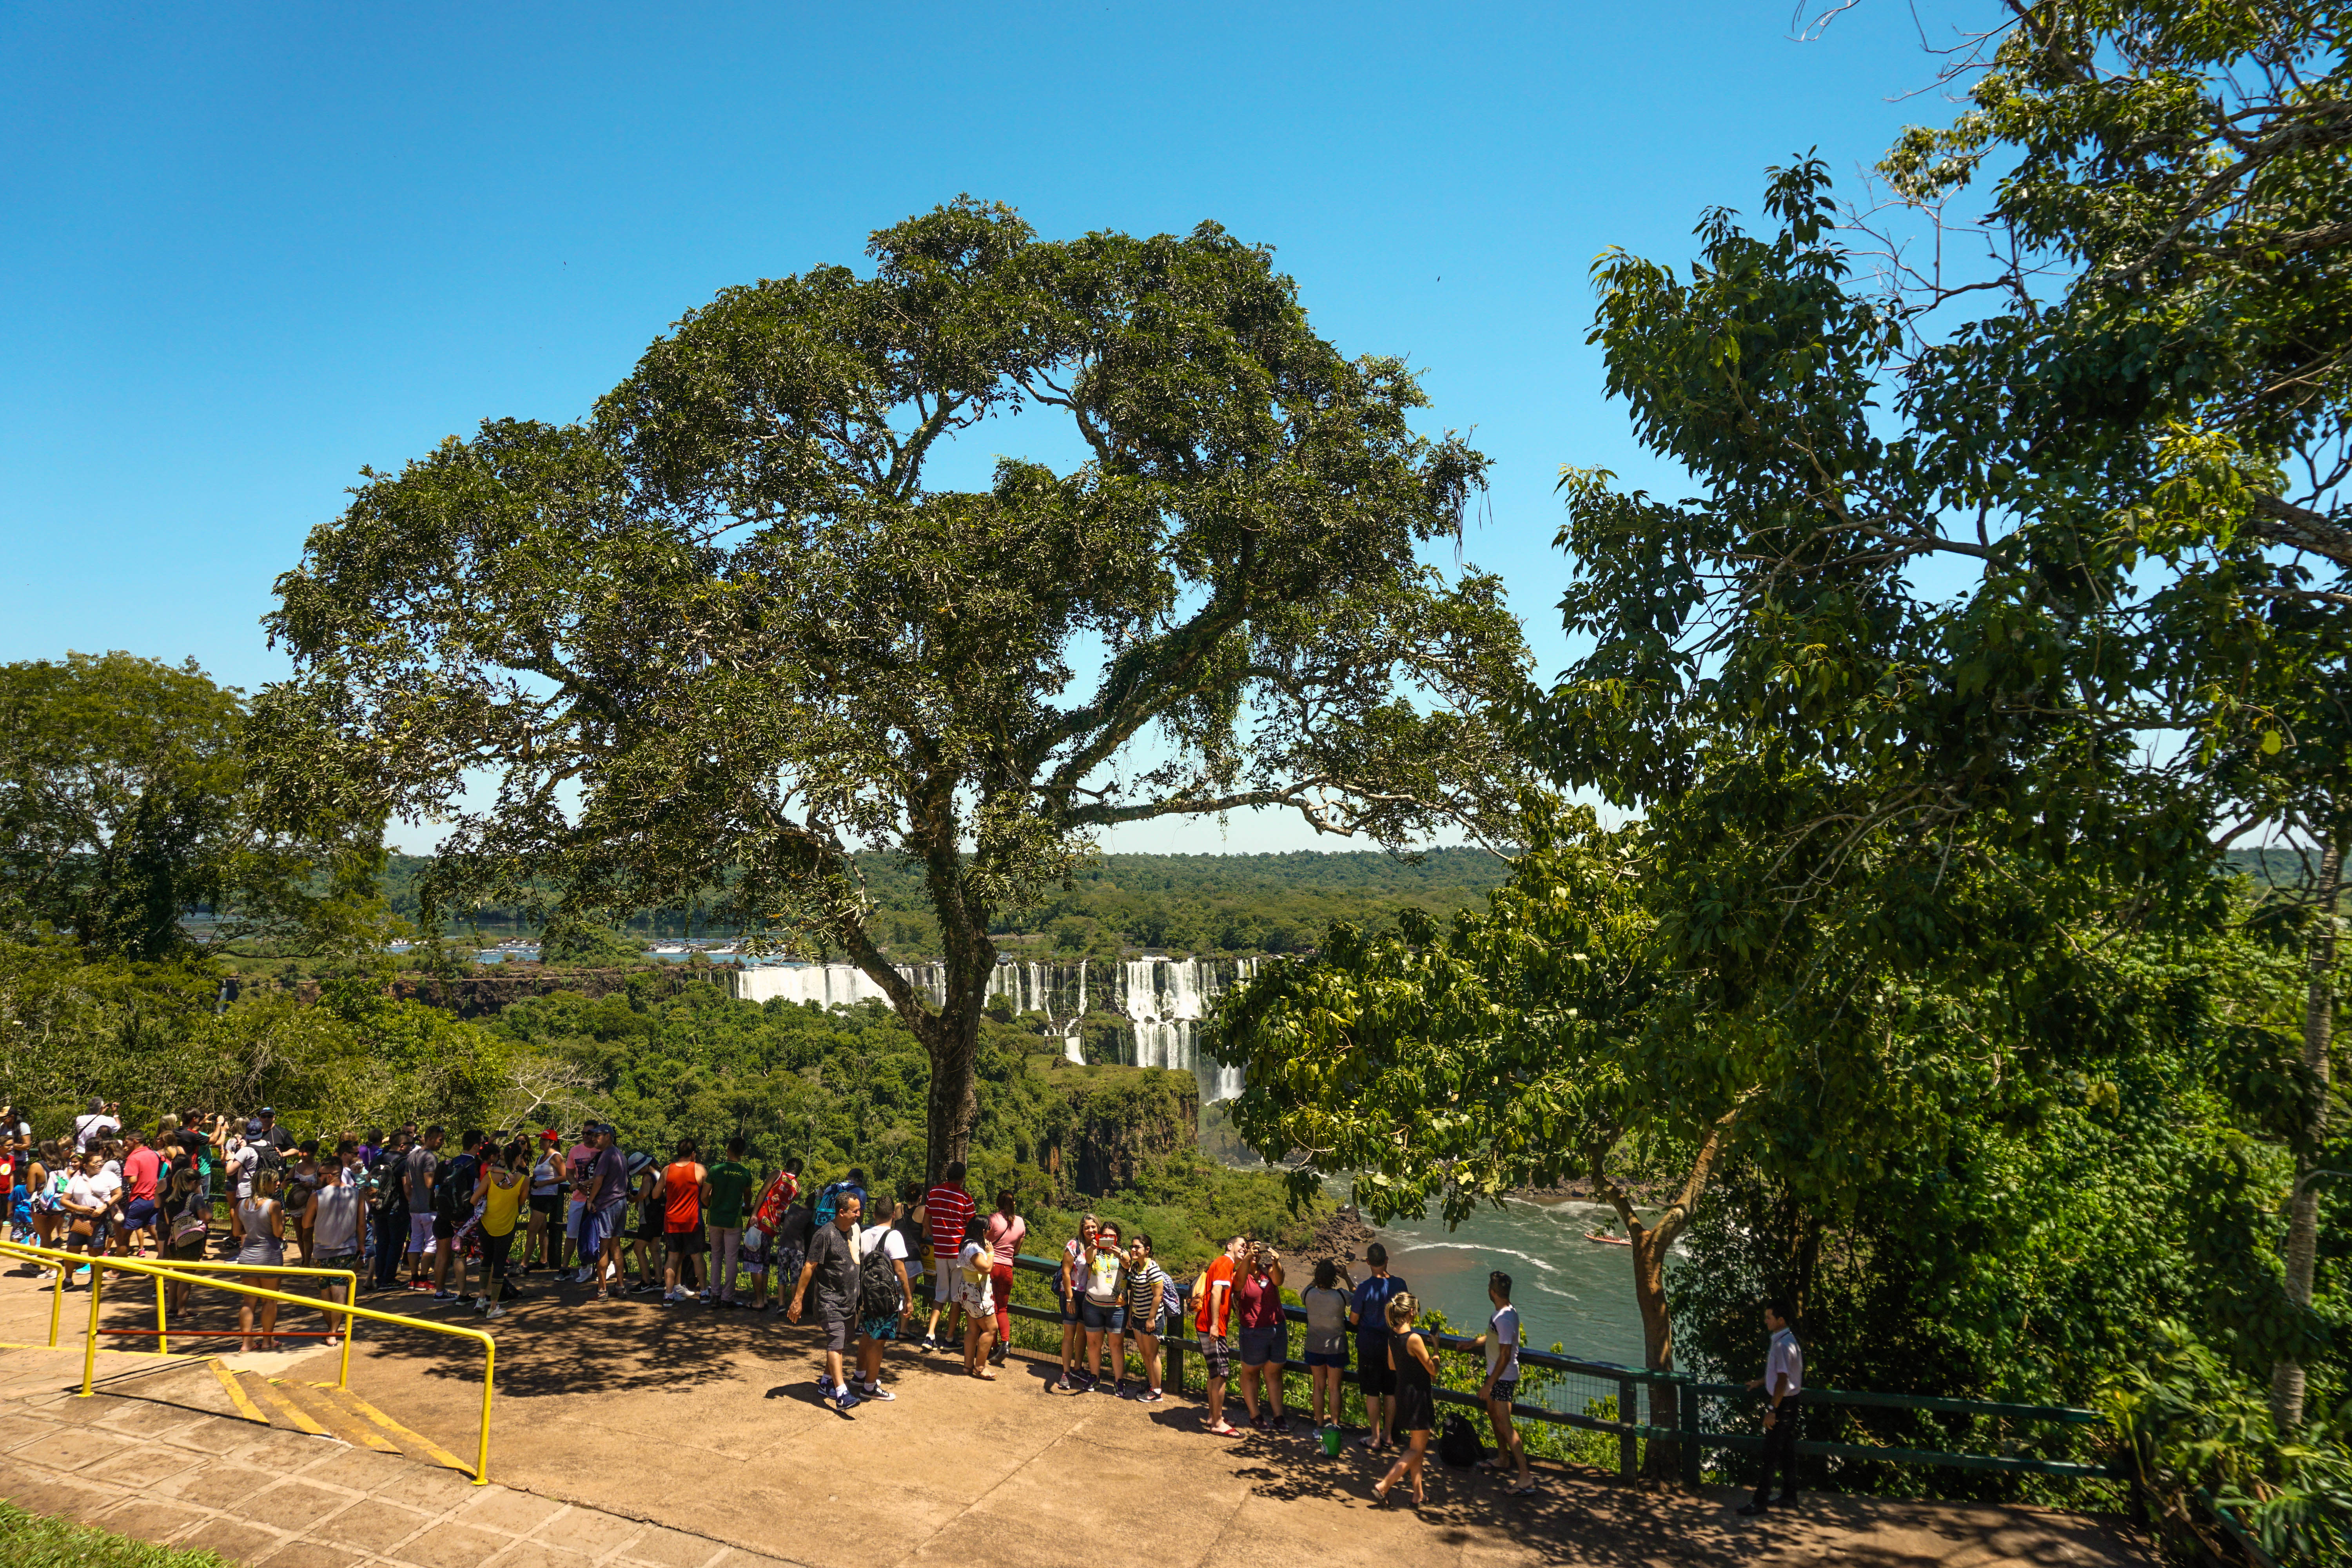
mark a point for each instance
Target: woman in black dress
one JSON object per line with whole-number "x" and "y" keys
{"x": 1416, "y": 1411}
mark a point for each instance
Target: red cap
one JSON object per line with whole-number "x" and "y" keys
{"x": 549, "y": 1135}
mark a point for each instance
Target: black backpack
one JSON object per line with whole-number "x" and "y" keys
{"x": 267, "y": 1160}
{"x": 453, "y": 1193}
{"x": 1457, "y": 1444}
{"x": 877, "y": 1283}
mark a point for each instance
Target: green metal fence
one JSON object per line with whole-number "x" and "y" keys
{"x": 1586, "y": 1410}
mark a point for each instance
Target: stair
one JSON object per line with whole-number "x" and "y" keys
{"x": 322, "y": 1410}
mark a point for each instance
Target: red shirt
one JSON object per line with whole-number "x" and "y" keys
{"x": 1261, "y": 1301}
{"x": 1220, "y": 1270}
{"x": 949, "y": 1210}
{"x": 139, "y": 1168}
{"x": 682, "y": 1192}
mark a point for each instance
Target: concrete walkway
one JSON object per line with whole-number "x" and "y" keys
{"x": 629, "y": 1433}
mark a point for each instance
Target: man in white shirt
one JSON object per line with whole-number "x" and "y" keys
{"x": 96, "y": 1127}
{"x": 1783, "y": 1384}
{"x": 1501, "y": 1343}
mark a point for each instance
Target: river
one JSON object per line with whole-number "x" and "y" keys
{"x": 1569, "y": 1291}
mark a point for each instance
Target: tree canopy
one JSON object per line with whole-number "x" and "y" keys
{"x": 126, "y": 805}
{"x": 710, "y": 643}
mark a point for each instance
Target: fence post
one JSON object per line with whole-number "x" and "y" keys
{"x": 1686, "y": 1407}
{"x": 1174, "y": 1380}
{"x": 1629, "y": 1447}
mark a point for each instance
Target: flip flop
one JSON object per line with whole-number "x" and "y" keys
{"x": 1528, "y": 1490}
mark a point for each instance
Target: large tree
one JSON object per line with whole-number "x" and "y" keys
{"x": 126, "y": 805}
{"x": 709, "y": 643}
{"x": 1972, "y": 528}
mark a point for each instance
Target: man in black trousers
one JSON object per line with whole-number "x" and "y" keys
{"x": 1783, "y": 1384}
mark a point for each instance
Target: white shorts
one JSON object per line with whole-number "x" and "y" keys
{"x": 943, "y": 1280}
{"x": 572, "y": 1213}
{"x": 420, "y": 1233}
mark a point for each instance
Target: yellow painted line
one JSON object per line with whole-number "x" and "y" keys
{"x": 267, "y": 1388}
{"x": 246, "y": 1407}
{"x": 410, "y": 1441}
{"x": 350, "y": 1431}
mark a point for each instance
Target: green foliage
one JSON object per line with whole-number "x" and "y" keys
{"x": 728, "y": 612}
{"x": 30, "y": 1541}
{"x": 125, "y": 807}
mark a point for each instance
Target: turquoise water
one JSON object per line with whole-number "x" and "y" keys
{"x": 1569, "y": 1291}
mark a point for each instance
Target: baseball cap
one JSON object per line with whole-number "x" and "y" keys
{"x": 549, "y": 1135}
{"x": 254, "y": 1125}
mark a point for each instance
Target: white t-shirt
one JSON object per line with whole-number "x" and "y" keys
{"x": 95, "y": 1128}
{"x": 1786, "y": 1358}
{"x": 243, "y": 1161}
{"x": 94, "y": 1191}
{"x": 893, "y": 1244}
{"x": 1503, "y": 1344}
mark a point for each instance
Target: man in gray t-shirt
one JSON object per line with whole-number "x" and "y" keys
{"x": 832, "y": 1260}
{"x": 417, "y": 1177}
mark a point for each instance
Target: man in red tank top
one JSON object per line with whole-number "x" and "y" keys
{"x": 686, "y": 1187}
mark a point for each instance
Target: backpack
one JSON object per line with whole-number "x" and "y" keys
{"x": 877, "y": 1283}
{"x": 1172, "y": 1316}
{"x": 828, "y": 1200}
{"x": 452, "y": 1190}
{"x": 1457, "y": 1445}
{"x": 266, "y": 1158}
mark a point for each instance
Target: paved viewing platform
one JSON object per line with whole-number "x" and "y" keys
{"x": 627, "y": 1434}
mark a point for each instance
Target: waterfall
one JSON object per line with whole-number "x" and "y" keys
{"x": 1162, "y": 1000}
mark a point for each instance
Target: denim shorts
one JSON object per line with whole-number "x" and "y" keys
{"x": 1110, "y": 1320}
{"x": 1327, "y": 1358}
{"x": 1271, "y": 1344}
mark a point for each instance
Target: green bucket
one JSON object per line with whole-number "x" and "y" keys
{"x": 1330, "y": 1442}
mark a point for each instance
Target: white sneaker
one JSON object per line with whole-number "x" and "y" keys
{"x": 585, "y": 1276}
{"x": 481, "y": 1306}
{"x": 494, "y": 1312}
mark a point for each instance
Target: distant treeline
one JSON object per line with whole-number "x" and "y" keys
{"x": 1166, "y": 903}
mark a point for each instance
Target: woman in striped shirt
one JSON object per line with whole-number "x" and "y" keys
{"x": 1149, "y": 1291}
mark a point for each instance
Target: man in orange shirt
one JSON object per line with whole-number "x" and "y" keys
{"x": 1212, "y": 1319}
{"x": 686, "y": 1187}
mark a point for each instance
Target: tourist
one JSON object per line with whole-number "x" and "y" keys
{"x": 832, "y": 1266}
{"x": 769, "y": 1222}
{"x": 1327, "y": 1343}
{"x": 17, "y": 1159}
{"x": 946, "y": 1213}
{"x": 240, "y": 1159}
{"x": 143, "y": 1170}
{"x": 758, "y": 1257}
{"x": 1151, "y": 1297}
{"x": 1374, "y": 1370}
{"x": 608, "y": 1203}
{"x": 1006, "y": 1230}
{"x": 95, "y": 1126}
{"x": 272, "y": 1134}
{"x": 1416, "y": 1410}
{"x": 1101, "y": 1311}
{"x": 1212, "y": 1321}
{"x": 417, "y": 1182}
{"x": 884, "y": 1241}
{"x": 974, "y": 1269}
{"x": 1069, "y": 1285}
{"x": 1501, "y": 1343}
{"x": 649, "y": 1231}
{"x": 50, "y": 1178}
{"x": 686, "y": 1187}
{"x": 1266, "y": 1339}
{"x": 542, "y": 1241}
{"x": 789, "y": 1244}
{"x": 501, "y": 1190}
{"x": 336, "y": 1222}
{"x": 730, "y": 1192}
{"x": 263, "y": 1226}
{"x": 453, "y": 1202}
{"x": 88, "y": 1204}
{"x": 187, "y": 1226}
{"x": 576, "y": 1161}
{"x": 295, "y": 1194}
{"x": 391, "y": 1229}
{"x": 1783, "y": 1387}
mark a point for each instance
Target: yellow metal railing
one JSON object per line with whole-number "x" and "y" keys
{"x": 180, "y": 1274}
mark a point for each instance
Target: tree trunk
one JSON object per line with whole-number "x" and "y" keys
{"x": 2303, "y": 1213}
{"x": 1662, "y": 1460}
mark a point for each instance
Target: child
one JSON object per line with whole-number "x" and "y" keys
{"x": 1416, "y": 1411}
{"x": 1501, "y": 1343}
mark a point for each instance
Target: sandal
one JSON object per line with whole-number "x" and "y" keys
{"x": 1379, "y": 1497}
{"x": 1528, "y": 1490}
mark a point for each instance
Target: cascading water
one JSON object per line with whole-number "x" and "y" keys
{"x": 1162, "y": 1000}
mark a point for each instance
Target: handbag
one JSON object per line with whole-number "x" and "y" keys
{"x": 82, "y": 1227}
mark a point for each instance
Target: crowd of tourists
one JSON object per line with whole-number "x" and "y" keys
{"x": 471, "y": 1223}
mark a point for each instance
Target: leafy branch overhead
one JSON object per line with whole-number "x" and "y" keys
{"x": 712, "y": 642}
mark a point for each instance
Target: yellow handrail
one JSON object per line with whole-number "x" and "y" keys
{"x": 163, "y": 1272}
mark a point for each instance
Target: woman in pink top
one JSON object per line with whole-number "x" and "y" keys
{"x": 1005, "y": 1230}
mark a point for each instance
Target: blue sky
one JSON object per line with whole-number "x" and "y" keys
{"x": 249, "y": 249}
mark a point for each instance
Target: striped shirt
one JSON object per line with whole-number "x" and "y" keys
{"x": 1138, "y": 1296}
{"x": 948, "y": 1210}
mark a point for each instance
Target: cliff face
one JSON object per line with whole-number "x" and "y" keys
{"x": 1119, "y": 1117}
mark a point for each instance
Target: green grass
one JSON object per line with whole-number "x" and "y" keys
{"x": 29, "y": 1541}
